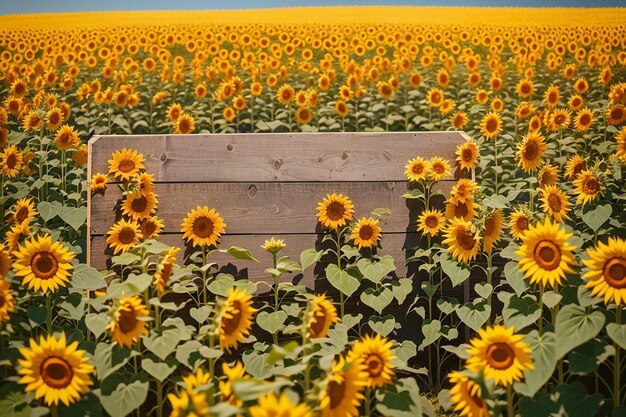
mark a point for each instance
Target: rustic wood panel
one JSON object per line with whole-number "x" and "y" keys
{"x": 347, "y": 157}
{"x": 393, "y": 244}
{"x": 264, "y": 208}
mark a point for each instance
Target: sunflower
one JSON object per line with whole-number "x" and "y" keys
{"x": 525, "y": 88}
{"x": 232, "y": 373}
{"x": 7, "y": 302}
{"x": 98, "y": 182}
{"x": 530, "y": 151}
{"x": 385, "y": 90}
{"x": 66, "y": 138}
{"x": 491, "y": 125}
{"x": 55, "y": 370}
{"x": 125, "y": 164}
{"x": 438, "y": 168}
{"x": 184, "y": 124}
{"x": 574, "y": 166}
{"x": 575, "y": 102}
{"x": 19, "y": 88}
{"x": 341, "y": 108}
{"x": 616, "y": 114}
{"x": 151, "y": 227}
{"x": 11, "y": 159}
{"x": 463, "y": 189}
{"x": 323, "y": 315}
{"x": 285, "y": 94}
{"x": 560, "y": 119}
{"x": 535, "y": 123}
{"x": 270, "y": 406}
{"x": 366, "y": 232}
{"x": 497, "y": 104}
{"x": 552, "y": 96}
{"x": 482, "y": 96}
{"x": 203, "y": 227}
{"x": 581, "y": 85}
{"x": 273, "y": 245}
{"x": 54, "y": 118}
{"x": 174, "y": 112}
{"x": 588, "y": 187}
{"x": 524, "y": 110}
{"x": 492, "y": 231}
{"x": 620, "y": 144}
{"x": 583, "y": 120}
{"x": 548, "y": 175}
{"x": 554, "y": 202}
{"x": 128, "y": 321}
{"x": 606, "y": 271}
{"x": 229, "y": 114}
{"x": 375, "y": 353}
{"x": 457, "y": 209}
{"x": 236, "y": 320}
{"x": 32, "y": 121}
{"x": 343, "y": 393}
{"x": 334, "y": 211}
{"x": 5, "y": 261}
{"x": 23, "y": 209}
{"x": 80, "y": 155}
{"x": 139, "y": 205}
{"x": 545, "y": 254}
{"x": 430, "y": 222}
{"x": 144, "y": 182}
{"x": 519, "y": 222}
{"x": 467, "y": 396}
{"x": 416, "y": 169}
{"x": 304, "y": 115}
{"x": 467, "y": 155}
{"x": 193, "y": 381}
{"x": 16, "y": 233}
{"x": 165, "y": 269}
{"x": 123, "y": 236}
{"x": 189, "y": 404}
{"x": 459, "y": 119}
{"x": 461, "y": 241}
{"x": 500, "y": 354}
{"x": 42, "y": 264}
{"x": 435, "y": 97}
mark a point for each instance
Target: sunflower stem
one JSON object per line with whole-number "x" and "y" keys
{"x": 495, "y": 159}
{"x": 54, "y": 410}
{"x": 489, "y": 279}
{"x": 49, "y": 313}
{"x": 368, "y": 399}
{"x": 341, "y": 295}
{"x": 204, "y": 276}
{"x": 509, "y": 401}
{"x": 159, "y": 392}
{"x": 540, "y": 319}
{"x": 617, "y": 367}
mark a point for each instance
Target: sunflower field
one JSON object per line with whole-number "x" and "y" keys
{"x": 538, "y": 229}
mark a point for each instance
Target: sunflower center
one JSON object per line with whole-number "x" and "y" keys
{"x": 490, "y": 226}
{"x": 432, "y": 222}
{"x": 439, "y": 168}
{"x": 466, "y": 239}
{"x": 555, "y": 203}
{"x": 461, "y": 210}
{"x": 2, "y": 301}
{"x": 336, "y": 392}
{"x": 522, "y": 223}
{"x": 202, "y": 227}
{"x": 375, "y": 365}
{"x": 127, "y": 321}
{"x": 467, "y": 155}
{"x": 231, "y": 324}
{"x": 417, "y": 169}
{"x": 547, "y": 255}
{"x": 366, "y": 232}
{"x": 44, "y": 265}
{"x": 614, "y": 272}
{"x": 525, "y": 88}
{"x": 148, "y": 228}
{"x": 139, "y": 205}
{"x": 126, "y": 165}
{"x": 476, "y": 398}
{"x": 500, "y": 355}
{"x": 21, "y": 214}
{"x": 492, "y": 125}
{"x": 552, "y": 98}
{"x": 11, "y": 161}
{"x": 335, "y": 211}
{"x": 559, "y": 119}
{"x": 591, "y": 186}
{"x": 317, "y": 326}
{"x": 56, "y": 372}
{"x": 127, "y": 236}
{"x": 531, "y": 150}
{"x": 585, "y": 119}
{"x": 578, "y": 168}
{"x": 617, "y": 113}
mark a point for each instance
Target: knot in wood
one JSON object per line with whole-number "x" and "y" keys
{"x": 274, "y": 209}
{"x": 163, "y": 158}
{"x": 277, "y": 164}
{"x": 391, "y": 185}
{"x": 229, "y": 147}
{"x": 252, "y": 191}
{"x": 344, "y": 156}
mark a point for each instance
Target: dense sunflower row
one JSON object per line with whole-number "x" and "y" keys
{"x": 540, "y": 227}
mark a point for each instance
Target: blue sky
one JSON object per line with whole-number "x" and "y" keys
{"x": 38, "y": 6}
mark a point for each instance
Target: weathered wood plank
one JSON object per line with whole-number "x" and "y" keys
{"x": 264, "y": 208}
{"x": 393, "y": 244}
{"x": 379, "y": 156}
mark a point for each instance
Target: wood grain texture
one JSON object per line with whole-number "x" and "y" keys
{"x": 344, "y": 157}
{"x": 265, "y": 208}
{"x": 392, "y": 244}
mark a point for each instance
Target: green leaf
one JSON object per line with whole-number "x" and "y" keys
{"x": 49, "y": 210}
{"x": 447, "y": 307}
{"x": 576, "y": 401}
{"x": 201, "y": 313}
{"x": 271, "y": 322}
{"x": 309, "y": 257}
{"x": 380, "y": 211}
{"x": 544, "y": 354}
{"x": 240, "y": 253}
{"x": 574, "y": 326}
{"x": 158, "y": 370}
{"x": 382, "y": 325}
{"x": 496, "y": 202}
{"x": 286, "y": 264}
{"x": 401, "y": 289}
{"x": 256, "y": 364}
{"x": 125, "y": 398}
{"x": 74, "y": 216}
{"x": 342, "y": 280}
{"x": 87, "y": 278}
{"x": 597, "y": 217}
{"x": 474, "y": 315}
{"x": 551, "y": 299}
{"x": 136, "y": 284}
{"x": 97, "y": 323}
{"x": 541, "y": 405}
{"x": 520, "y": 312}
{"x": 108, "y": 358}
{"x": 453, "y": 270}
{"x": 163, "y": 344}
{"x": 515, "y": 278}
{"x": 377, "y": 299}
{"x": 376, "y": 271}
{"x": 617, "y": 333}
{"x": 432, "y": 332}
{"x": 483, "y": 289}
{"x": 188, "y": 353}
{"x": 221, "y": 284}
{"x": 586, "y": 358}
{"x": 405, "y": 351}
